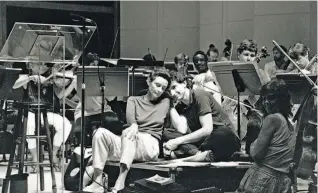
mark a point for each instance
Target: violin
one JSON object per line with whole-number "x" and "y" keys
{"x": 262, "y": 54}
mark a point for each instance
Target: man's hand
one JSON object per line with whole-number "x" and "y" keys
{"x": 130, "y": 132}
{"x": 172, "y": 144}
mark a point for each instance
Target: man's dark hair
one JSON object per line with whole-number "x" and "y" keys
{"x": 200, "y": 53}
{"x": 283, "y": 48}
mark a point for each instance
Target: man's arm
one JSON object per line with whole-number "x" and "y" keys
{"x": 178, "y": 122}
{"x": 206, "y": 129}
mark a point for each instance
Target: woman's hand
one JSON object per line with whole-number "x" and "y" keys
{"x": 130, "y": 132}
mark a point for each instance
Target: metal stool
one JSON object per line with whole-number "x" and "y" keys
{"x": 20, "y": 138}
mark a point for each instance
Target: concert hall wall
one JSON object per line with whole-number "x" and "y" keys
{"x": 189, "y": 26}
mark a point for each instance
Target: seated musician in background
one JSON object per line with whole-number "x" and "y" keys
{"x": 140, "y": 141}
{"x": 279, "y": 63}
{"x": 181, "y": 64}
{"x": 300, "y": 54}
{"x": 201, "y": 127}
{"x": 205, "y": 79}
{"x": 212, "y": 53}
{"x": 273, "y": 150}
{"x": 39, "y": 73}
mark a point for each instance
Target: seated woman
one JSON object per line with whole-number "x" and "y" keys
{"x": 140, "y": 141}
{"x": 273, "y": 150}
{"x": 203, "y": 127}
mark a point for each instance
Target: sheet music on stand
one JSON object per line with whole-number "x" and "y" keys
{"x": 116, "y": 80}
{"x": 246, "y": 70}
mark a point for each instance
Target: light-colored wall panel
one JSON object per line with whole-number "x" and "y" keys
{"x": 238, "y": 31}
{"x": 284, "y": 29}
{"x": 313, "y": 27}
{"x": 184, "y": 40}
{"x": 240, "y": 10}
{"x": 180, "y": 14}
{"x": 211, "y": 12}
{"x": 211, "y": 34}
{"x": 138, "y": 15}
{"x": 281, "y": 7}
{"x": 135, "y": 43}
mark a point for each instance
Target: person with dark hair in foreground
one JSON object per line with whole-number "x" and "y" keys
{"x": 201, "y": 127}
{"x": 274, "y": 148}
{"x": 140, "y": 141}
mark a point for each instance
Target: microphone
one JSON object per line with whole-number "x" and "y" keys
{"x": 80, "y": 18}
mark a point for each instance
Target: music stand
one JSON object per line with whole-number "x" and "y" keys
{"x": 116, "y": 80}
{"x": 46, "y": 43}
{"x": 237, "y": 78}
{"x": 297, "y": 84}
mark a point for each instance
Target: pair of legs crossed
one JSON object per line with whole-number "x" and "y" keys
{"x": 110, "y": 147}
{"x": 222, "y": 142}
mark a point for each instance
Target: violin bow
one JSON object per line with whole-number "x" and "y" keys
{"x": 311, "y": 61}
{"x": 234, "y": 100}
{"x": 309, "y": 80}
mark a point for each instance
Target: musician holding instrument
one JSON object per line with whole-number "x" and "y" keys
{"x": 273, "y": 150}
{"x": 300, "y": 54}
{"x": 279, "y": 63}
{"x": 39, "y": 75}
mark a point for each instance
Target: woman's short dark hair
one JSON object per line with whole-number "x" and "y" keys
{"x": 162, "y": 72}
{"x": 277, "y": 90}
{"x": 212, "y": 48}
{"x": 200, "y": 53}
{"x": 249, "y": 45}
